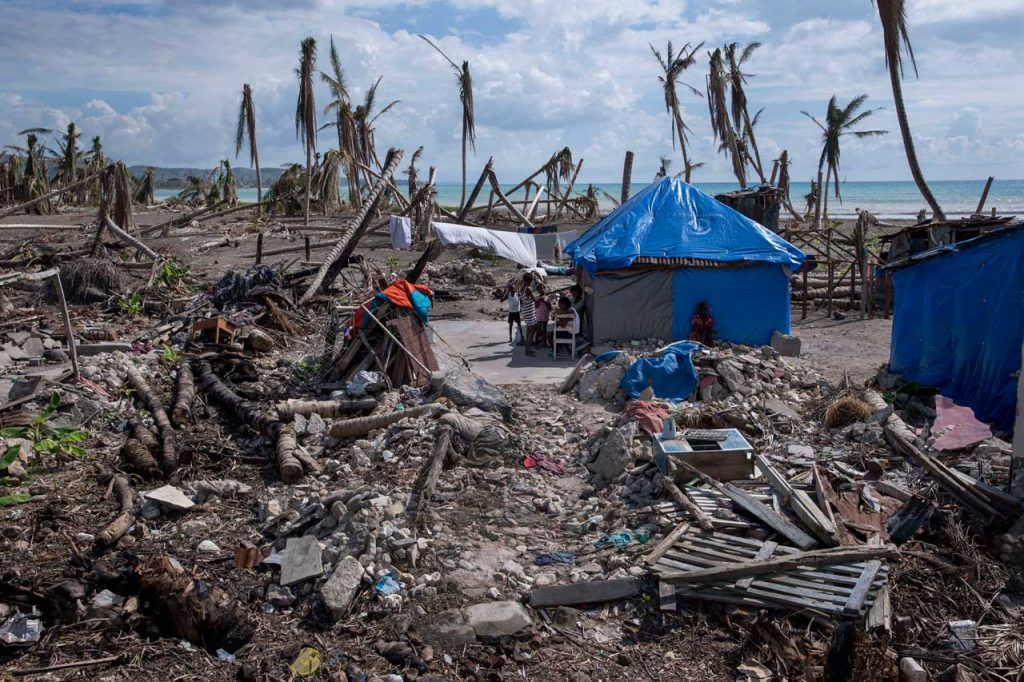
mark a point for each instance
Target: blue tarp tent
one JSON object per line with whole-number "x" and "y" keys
{"x": 958, "y": 322}
{"x": 650, "y": 262}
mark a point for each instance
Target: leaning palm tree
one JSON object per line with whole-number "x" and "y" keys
{"x": 245, "y": 131}
{"x": 344, "y": 123}
{"x": 896, "y": 36}
{"x": 674, "y": 64}
{"x": 839, "y": 123}
{"x": 305, "y": 111}
{"x": 738, "y": 102}
{"x": 465, "y": 81}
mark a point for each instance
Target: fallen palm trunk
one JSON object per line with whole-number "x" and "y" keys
{"x": 901, "y": 438}
{"x": 387, "y": 402}
{"x": 140, "y": 459}
{"x": 131, "y": 241}
{"x": 338, "y": 256}
{"x": 116, "y": 529}
{"x": 789, "y": 562}
{"x": 325, "y": 408}
{"x": 182, "y": 411}
{"x": 169, "y": 456}
{"x": 188, "y": 217}
{"x": 464, "y": 211}
{"x": 360, "y": 426}
{"x": 504, "y": 199}
{"x": 144, "y": 435}
{"x": 288, "y": 466}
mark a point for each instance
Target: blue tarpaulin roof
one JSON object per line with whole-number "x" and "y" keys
{"x": 958, "y": 322}
{"x": 671, "y": 219}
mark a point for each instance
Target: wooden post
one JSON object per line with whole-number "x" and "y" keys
{"x": 984, "y": 196}
{"x": 69, "y": 334}
{"x": 831, "y": 270}
{"x": 803, "y": 313}
{"x": 627, "y": 176}
{"x": 259, "y": 248}
{"x": 308, "y": 257}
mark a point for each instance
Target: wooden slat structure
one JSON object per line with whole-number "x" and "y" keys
{"x": 835, "y": 590}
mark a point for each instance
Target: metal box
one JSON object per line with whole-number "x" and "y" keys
{"x": 723, "y": 454}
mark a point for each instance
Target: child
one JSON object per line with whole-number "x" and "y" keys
{"x": 702, "y": 325}
{"x": 514, "y": 307}
{"x": 528, "y": 309}
{"x": 543, "y": 313}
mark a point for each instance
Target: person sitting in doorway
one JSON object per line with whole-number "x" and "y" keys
{"x": 702, "y": 325}
{"x": 566, "y": 326}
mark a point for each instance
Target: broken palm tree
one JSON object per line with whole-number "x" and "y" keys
{"x": 168, "y": 452}
{"x": 286, "y": 456}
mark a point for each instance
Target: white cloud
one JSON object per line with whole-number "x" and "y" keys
{"x": 548, "y": 73}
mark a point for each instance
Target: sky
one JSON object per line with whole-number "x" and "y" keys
{"x": 160, "y": 80}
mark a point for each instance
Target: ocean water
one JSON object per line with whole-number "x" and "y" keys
{"x": 892, "y": 200}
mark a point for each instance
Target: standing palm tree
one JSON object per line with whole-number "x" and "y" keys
{"x": 465, "y": 81}
{"x": 96, "y": 161}
{"x": 839, "y": 123}
{"x": 67, "y": 170}
{"x": 673, "y": 64}
{"x": 738, "y": 102}
{"x": 305, "y": 111}
{"x": 721, "y": 124}
{"x": 893, "y": 15}
{"x": 344, "y": 123}
{"x": 363, "y": 120}
{"x": 246, "y": 131}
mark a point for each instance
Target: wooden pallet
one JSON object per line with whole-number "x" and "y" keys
{"x": 837, "y": 590}
{"x": 716, "y": 505}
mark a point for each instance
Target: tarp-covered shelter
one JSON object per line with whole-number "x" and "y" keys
{"x": 647, "y": 265}
{"x": 958, "y": 321}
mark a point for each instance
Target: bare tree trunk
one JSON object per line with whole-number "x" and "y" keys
{"x": 462, "y": 199}
{"x": 259, "y": 181}
{"x": 908, "y": 143}
{"x": 627, "y": 176}
{"x": 466, "y": 206}
{"x": 309, "y": 180}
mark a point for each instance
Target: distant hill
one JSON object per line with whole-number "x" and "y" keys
{"x": 177, "y": 178}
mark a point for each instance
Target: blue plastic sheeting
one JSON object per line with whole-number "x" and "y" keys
{"x": 671, "y": 219}
{"x": 747, "y": 303}
{"x": 958, "y": 323}
{"x": 671, "y": 375}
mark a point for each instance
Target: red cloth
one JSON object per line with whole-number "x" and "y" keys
{"x": 648, "y": 415}
{"x": 398, "y": 293}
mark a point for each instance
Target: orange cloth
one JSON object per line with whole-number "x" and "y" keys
{"x": 398, "y": 293}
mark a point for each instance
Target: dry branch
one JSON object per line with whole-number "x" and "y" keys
{"x": 360, "y": 426}
{"x": 116, "y": 529}
{"x": 131, "y": 241}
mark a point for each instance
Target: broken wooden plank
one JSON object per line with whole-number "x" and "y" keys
{"x": 666, "y": 543}
{"x": 766, "y": 551}
{"x": 880, "y": 615}
{"x": 585, "y": 593}
{"x": 856, "y": 601}
{"x": 819, "y": 557}
{"x": 801, "y": 503}
{"x": 686, "y": 503}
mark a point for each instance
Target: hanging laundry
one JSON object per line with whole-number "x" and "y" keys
{"x": 401, "y": 232}
{"x": 521, "y": 248}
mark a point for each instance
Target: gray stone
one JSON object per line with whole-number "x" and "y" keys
{"x": 340, "y": 589}
{"x": 776, "y": 406}
{"x": 315, "y": 425}
{"x": 208, "y": 546}
{"x": 33, "y": 347}
{"x": 608, "y": 381}
{"x": 301, "y": 560}
{"x": 498, "y": 619}
{"x": 733, "y": 377}
{"x": 300, "y": 424}
{"x": 170, "y": 497}
{"x": 589, "y": 389}
{"x": 447, "y": 629}
{"x": 280, "y": 597}
{"x": 787, "y": 345}
{"x": 614, "y": 455}
{"x": 805, "y": 451}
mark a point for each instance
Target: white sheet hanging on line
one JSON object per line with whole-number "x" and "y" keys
{"x": 521, "y": 248}
{"x": 401, "y": 232}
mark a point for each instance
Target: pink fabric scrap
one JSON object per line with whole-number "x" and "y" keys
{"x": 956, "y": 426}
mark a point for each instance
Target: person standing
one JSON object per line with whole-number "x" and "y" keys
{"x": 511, "y": 297}
{"x": 528, "y": 308}
{"x": 543, "y": 311}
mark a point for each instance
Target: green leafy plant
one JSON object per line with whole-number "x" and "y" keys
{"x": 392, "y": 263}
{"x": 45, "y": 438}
{"x": 170, "y": 355}
{"x": 172, "y": 273}
{"x": 14, "y": 498}
{"x": 131, "y": 305}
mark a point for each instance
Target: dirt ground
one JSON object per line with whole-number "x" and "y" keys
{"x": 490, "y": 519}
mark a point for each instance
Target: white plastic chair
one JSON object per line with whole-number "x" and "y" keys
{"x": 569, "y": 341}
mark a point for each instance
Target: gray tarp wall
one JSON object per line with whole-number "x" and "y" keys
{"x": 630, "y": 305}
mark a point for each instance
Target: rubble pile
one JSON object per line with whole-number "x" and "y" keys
{"x": 469, "y": 278}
